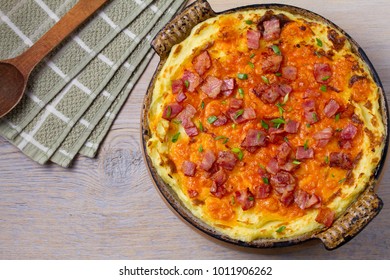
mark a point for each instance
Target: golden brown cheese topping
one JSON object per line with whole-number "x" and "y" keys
{"x": 263, "y": 122}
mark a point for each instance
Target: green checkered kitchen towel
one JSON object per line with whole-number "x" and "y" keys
{"x": 74, "y": 95}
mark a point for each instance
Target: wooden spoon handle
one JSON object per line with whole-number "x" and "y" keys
{"x": 64, "y": 27}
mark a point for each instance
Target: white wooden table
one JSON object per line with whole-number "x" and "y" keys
{"x": 108, "y": 208}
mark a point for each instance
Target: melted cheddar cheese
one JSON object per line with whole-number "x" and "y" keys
{"x": 234, "y": 205}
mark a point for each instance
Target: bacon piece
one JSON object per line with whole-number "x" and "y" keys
{"x": 254, "y": 138}
{"x": 287, "y": 198}
{"x": 322, "y": 72}
{"x": 242, "y": 115}
{"x": 311, "y": 94}
{"x": 186, "y": 115}
{"x": 284, "y": 151}
{"x": 291, "y": 126}
{"x": 289, "y": 73}
{"x": 188, "y": 168}
{"x": 193, "y": 79}
{"x": 284, "y": 89}
{"x": 304, "y": 200}
{"x": 218, "y": 191}
{"x": 303, "y": 153}
{"x": 340, "y": 159}
{"x": 272, "y": 166}
{"x": 314, "y": 201}
{"x": 348, "y": 132}
{"x": 249, "y": 114}
{"x": 245, "y": 198}
{"x": 326, "y": 133}
{"x": 172, "y": 110}
{"x": 310, "y": 113}
{"x": 181, "y": 97}
{"x": 228, "y": 86}
{"x": 326, "y": 216}
{"x": 219, "y": 177}
{"x": 275, "y": 134}
{"x": 253, "y": 39}
{"x": 323, "y": 136}
{"x": 208, "y": 160}
{"x": 288, "y": 166}
{"x": 271, "y": 63}
{"x": 221, "y": 120}
{"x": 262, "y": 191}
{"x": 211, "y": 86}
{"x": 271, "y": 29}
{"x": 177, "y": 86}
{"x": 227, "y": 160}
{"x": 266, "y": 93}
{"x": 202, "y": 62}
{"x": 283, "y": 182}
{"x": 331, "y": 108}
{"x": 235, "y": 103}
{"x": 191, "y": 131}
{"x": 192, "y": 193}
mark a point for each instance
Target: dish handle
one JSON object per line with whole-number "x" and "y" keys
{"x": 180, "y": 27}
{"x": 360, "y": 213}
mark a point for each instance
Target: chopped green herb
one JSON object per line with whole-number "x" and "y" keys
{"x": 169, "y": 111}
{"x": 262, "y": 166}
{"x": 337, "y": 117}
{"x": 339, "y": 129}
{"x": 176, "y": 121}
{"x": 285, "y": 139}
{"x": 225, "y": 139}
{"x": 200, "y": 149}
{"x": 306, "y": 145}
{"x": 239, "y": 153}
{"x": 277, "y": 122}
{"x": 201, "y": 126}
{"x": 258, "y": 136}
{"x": 242, "y": 76}
{"x": 342, "y": 180}
{"x": 323, "y": 88}
{"x": 175, "y": 137}
{"x": 241, "y": 92}
{"x": 296, "y": 162}
{"x": 333, "y": 175}
{"x": 280, "y": 108}
{"x": 248, "y": 21}
{"x": 238, "y": 113}
{"x": 326, "y": 160}
{"x": 278, "y": 74}
{"x": 325, "y": 78}
{"x": 251, "y": 198}
{"x": 264, "y": 124}
{"x": 281, "y": 229}
{"x": 265, "y": 180}
{"x": 251, "y": 65}
{"x": 211, "y": 119}
{"x": 319, "y": 42}
{"x": 202, "y": 105}
{"x": 285, "y": 98}
{"x": 308, "y": 125}
{"x": 276, "y": 49}
{"x": 234, "y": 125}
{"x": 318, "y": 54}
{"x": 186, "y": 83}
{"x": 315, "y": 118}
{"x": 224, "y": 102}
{"x": 252, "y": 55}
{"x": 233, "y": 200}
{"x": 265, "y": 79}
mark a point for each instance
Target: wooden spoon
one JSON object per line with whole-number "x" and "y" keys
{"x": 14, "y": 72}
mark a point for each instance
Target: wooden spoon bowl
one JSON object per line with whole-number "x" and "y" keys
{"x": 14, "y": 73}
